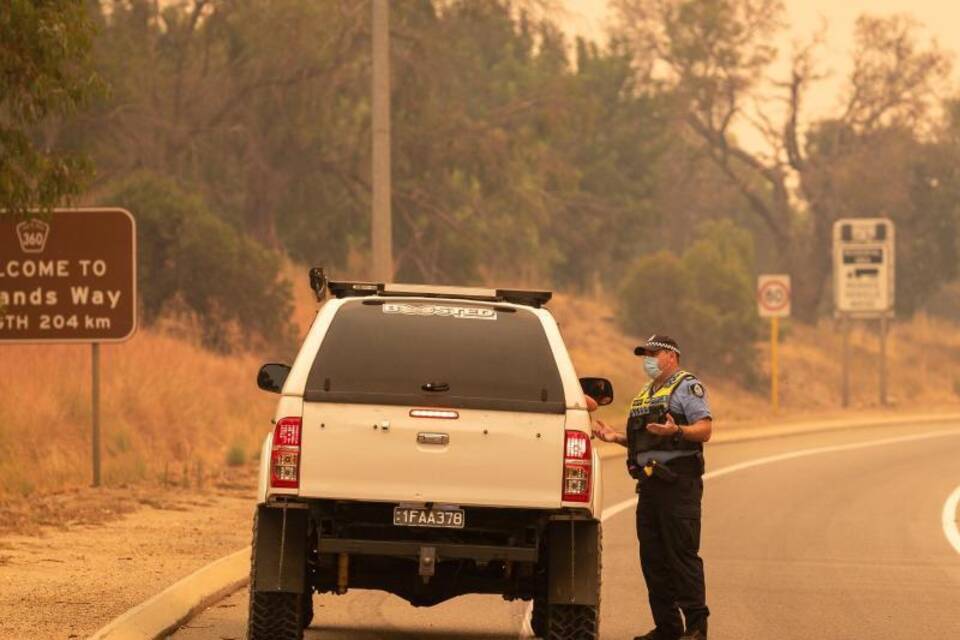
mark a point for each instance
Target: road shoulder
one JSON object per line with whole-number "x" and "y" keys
{"x": 66, "y": 581}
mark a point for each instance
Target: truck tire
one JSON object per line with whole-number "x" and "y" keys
{"x": 273, "y": 616}
{"x": 572, "y": 622}
{"x": 306, "y": 608}
{"x": 576, "y": 621}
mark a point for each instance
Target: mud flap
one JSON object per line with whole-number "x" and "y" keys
{"x": 574, "y": 562}
{"x": 281, "y": 553}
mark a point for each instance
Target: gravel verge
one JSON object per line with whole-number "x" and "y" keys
{"x": 78, "y": 560}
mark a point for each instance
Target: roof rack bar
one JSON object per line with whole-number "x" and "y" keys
{"x": 526, "y": 297}
{"x": 530, "y": 298}
{"x": 352, "y": 289}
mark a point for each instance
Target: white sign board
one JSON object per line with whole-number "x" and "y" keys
{"x": 863, "y": 267}
{"x": 773, "y": 296}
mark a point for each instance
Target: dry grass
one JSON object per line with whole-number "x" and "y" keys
{"x": 172, "y": 411}
{"x": 169, "y": 410}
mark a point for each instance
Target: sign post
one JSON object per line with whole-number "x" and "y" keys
{"x": 773, "y": 301}
{"x": 70, "y": 278}
{"x": 863, "y": 285}
{"x": 95, "y": 410}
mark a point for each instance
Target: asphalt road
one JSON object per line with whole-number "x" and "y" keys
{"x": 832, "y": 535}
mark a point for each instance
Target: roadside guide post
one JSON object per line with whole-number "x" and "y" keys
{"x": 845, "y": 362}
{"x": 70, "y": 277}
{"x": 863, "y": 285}
{"x": 773, "y": 301}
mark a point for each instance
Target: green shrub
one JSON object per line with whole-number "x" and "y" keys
{"x": 703, "y": 299}
{"x": 188, "y": 257}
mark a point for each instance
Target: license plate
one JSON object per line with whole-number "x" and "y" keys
{"x": 439, "y": 518}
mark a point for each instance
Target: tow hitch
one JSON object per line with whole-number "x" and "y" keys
{"x": 428, "y": 563}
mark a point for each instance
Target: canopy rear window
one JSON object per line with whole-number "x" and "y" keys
{"x": 443, "y": 354}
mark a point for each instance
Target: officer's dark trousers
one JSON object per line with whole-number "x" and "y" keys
{"x": 668, "y": 527}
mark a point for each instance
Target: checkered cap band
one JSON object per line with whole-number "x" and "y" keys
{"x": 658, "y": 342}
{"x": 661, "y": 345}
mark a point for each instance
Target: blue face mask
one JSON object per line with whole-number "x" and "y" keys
{"x": 651, "y": 366}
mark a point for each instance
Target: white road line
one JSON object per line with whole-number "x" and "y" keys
{"x": 949, "y": 522}
{"x": 949, "y": 519}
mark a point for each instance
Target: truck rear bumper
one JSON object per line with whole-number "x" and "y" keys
{"x": 332, "y": 546}
{"x": 414, "y": 550}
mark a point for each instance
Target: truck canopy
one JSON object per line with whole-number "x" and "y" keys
{"x": 445, "y": 354}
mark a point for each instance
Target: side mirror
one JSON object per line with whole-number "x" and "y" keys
{"x": 600, "y": 389}
{"x": 272, "y": 377}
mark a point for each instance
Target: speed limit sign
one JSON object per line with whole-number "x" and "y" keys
{"x": 773, "y": 295}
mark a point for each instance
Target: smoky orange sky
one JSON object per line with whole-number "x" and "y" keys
{"x": 940, "y": 20}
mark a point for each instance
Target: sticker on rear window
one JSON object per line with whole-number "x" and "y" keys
{"x": 446, "y": 311}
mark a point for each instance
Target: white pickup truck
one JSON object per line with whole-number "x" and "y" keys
{"x": 430, "y": 442}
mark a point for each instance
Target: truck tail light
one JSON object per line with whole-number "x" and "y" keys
{"x": 285, "y": 456}
{"x": 577, "y": 467}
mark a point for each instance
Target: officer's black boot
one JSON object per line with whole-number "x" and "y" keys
{"x": 694, "y": 634}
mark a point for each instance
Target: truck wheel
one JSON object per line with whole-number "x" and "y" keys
{"x": 273, "y": 616}
{"x": 572, "y": 622}
{"x": 577, "y": 621}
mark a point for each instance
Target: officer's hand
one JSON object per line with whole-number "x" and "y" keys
{"x": 667, "y": 429}
{"x": 604, "y": 431}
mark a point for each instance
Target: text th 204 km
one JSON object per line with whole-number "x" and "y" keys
{"x": 55, "y": 322}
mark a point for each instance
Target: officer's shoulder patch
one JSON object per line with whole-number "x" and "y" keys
{"x": 697, "y": 389}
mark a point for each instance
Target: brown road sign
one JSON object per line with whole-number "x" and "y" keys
{"x": 71, "y": 277}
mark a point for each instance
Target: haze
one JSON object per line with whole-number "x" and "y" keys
{"x": 940, "y": 20}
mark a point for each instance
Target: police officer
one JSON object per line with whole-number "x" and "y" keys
{"x": 668, "y": 423}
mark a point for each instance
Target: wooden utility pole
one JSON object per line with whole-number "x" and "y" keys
{"x": 381, "y": 227}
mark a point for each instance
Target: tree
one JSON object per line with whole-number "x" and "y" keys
{"x": 192, "y": 263}
{"x": 510, "y": 163}
{"x": 703, "y": 298}
{"x": 45, "y": 73}
{"x": 718, "y": 52}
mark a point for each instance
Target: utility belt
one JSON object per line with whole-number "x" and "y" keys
{"x": 670, "y": 471}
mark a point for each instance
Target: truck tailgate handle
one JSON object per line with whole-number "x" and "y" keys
{"x": 433, "y": 438}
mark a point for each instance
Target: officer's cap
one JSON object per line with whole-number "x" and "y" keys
{"x": 657, "y": 343}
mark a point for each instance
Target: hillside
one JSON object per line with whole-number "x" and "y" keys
{"x": 177, "y": 414}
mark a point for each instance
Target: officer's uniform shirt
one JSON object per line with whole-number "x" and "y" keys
{"x": 690, "y": 399}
